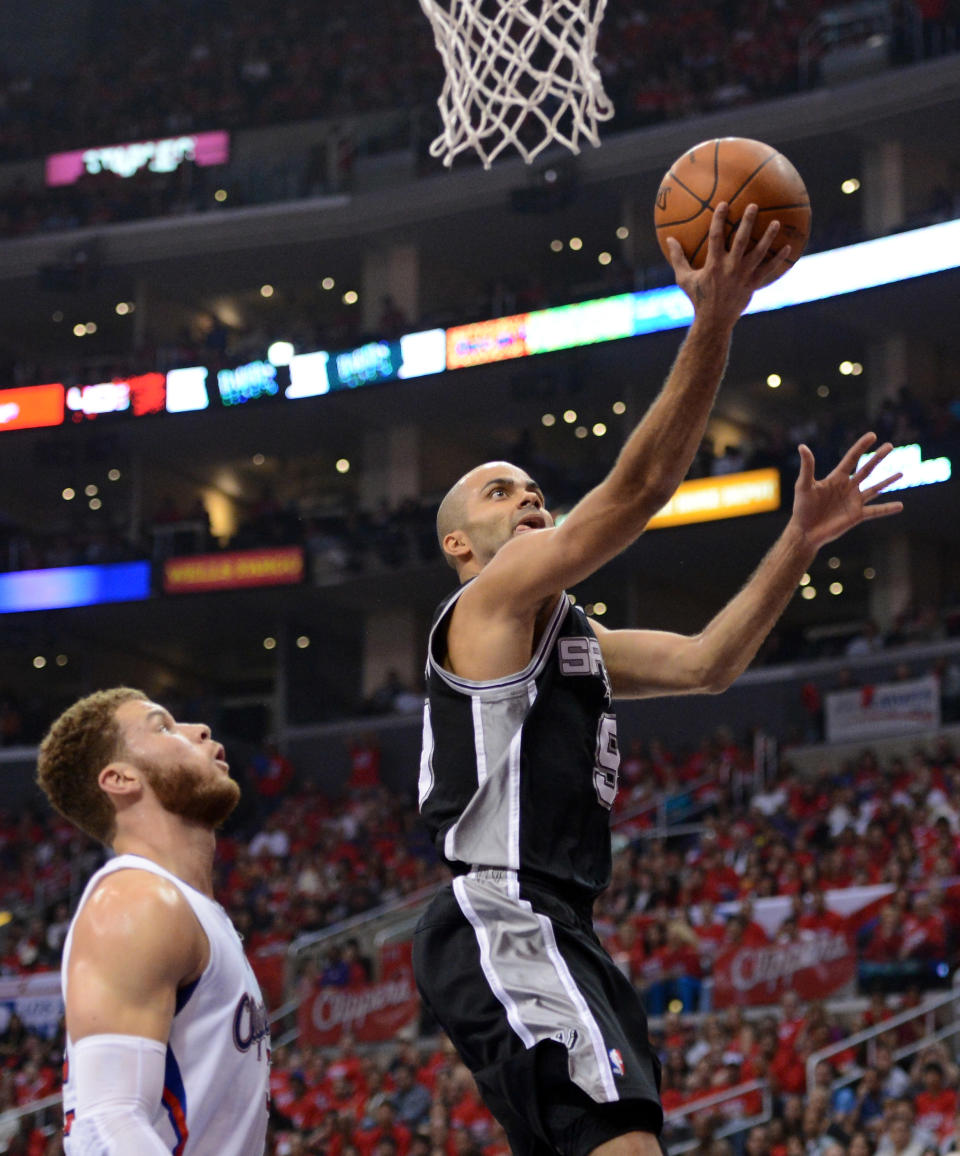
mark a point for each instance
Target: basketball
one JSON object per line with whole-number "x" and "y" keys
{"x": 741, "y": 172}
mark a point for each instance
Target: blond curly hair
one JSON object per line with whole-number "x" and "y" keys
{"x": 79, "y": 744}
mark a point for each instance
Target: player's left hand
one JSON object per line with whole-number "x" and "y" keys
{"x": 823, "y": 510}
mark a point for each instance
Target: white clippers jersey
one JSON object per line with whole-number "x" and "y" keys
{"x": 218, "y": 1055}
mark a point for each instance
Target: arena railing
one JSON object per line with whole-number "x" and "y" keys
{"x": 927, "y": 1011}
{"x": 677, "y": 1117}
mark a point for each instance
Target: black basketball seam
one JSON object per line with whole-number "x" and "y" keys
{"x": 732, "y": 225}
{"x": 763, "y": 165}
{"x": 704, "y": 204}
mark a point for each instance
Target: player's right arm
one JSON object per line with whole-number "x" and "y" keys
{"x": 135, "y": 943}
{"x": 659, "y": 452}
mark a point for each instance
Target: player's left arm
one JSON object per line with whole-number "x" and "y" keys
{"x": 645, "y": 663}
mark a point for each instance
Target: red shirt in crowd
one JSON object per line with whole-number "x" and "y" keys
{"x": 936, "y": 1111}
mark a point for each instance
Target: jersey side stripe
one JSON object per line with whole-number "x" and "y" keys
{"x": 576, "y": 996}
{"x": 175, "y": 1101}
{"x": 425, "y": 781}
{"x": 483, "y": 941}
{"x": 536, "y": 988}
{"x": 476, "y": 709}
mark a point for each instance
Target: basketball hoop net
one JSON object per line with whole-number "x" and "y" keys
{"x": 519, "y": 72}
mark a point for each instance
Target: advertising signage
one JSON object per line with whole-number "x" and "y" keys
{"x": 125, "y": 160}
{"x": 414, "y": 355}
{"x": 62, "y": 586}
{"x": 916, "y": 253}
{"x": 31, "y": 407}
{"x": 727, "y": 496}
{"x": 283, "y": 566}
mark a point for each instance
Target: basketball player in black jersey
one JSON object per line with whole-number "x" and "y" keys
{"x": 519, "y": 765}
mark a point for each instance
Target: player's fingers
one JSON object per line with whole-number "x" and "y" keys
{"x": 761, "y": 249}
{"x": 872, "y": 462}
{"x": 678, "y": 259}
{"x": 741, "y": 238}
{"x": 884, "y": 510}
{"x": 855, "y": 452}
{"x": 716, "y": 238}
{"x": 774, "y": 267}
{"x": 871, "y": 491}
{"x": 805, "y": 477}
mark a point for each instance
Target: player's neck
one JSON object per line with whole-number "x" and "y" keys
{"x": 183, "y": 848}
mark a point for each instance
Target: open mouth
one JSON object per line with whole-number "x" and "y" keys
{"x": 530, "y": 522}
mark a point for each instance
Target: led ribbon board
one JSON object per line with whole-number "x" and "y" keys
{"x": 235, "y": 570}
{"x": 725, "y": 496}
{"x": 125, "y": 160}
{"x": 414, "y": 355}
{"x": 908, "y": 461}
{"x": 884, "y": 261}
{"x": 31, "y": 407}
{"x": 63, "y": 586}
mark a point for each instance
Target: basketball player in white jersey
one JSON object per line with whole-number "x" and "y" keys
{"x": 168, "y": 1046}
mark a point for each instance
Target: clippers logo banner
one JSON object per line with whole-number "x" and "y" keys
{"x": 813, "y": 967}
{"x": 281, "y": 567}
{"x": 371, "y": 1012}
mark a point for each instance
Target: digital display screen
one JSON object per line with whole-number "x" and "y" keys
{"x": 90, "y": 401}
{"x": 607, "y": 319}
{"x": 125, "y": 160}
{"x": 908, "y": 461}
{"x": 308, "y": 375}
{"x": 375, "y": 361}
{"x": 31, "y": 407}
{"x": 484, "y": 341}
{"x": 187, "y": 389}
{"x": 64, "y": 586}
{"x": 423, "y": 353}
{"x": 414, "y": 355}
{"x": 247, "y": 382}
{"x": 235, "y": 570}
{"x": 726, "y": 496}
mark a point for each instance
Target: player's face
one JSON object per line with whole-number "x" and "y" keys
{"x": 502, "y": 503}
{"x": 184, "y": 767}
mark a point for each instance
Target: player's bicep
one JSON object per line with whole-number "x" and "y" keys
{"x": 132, "y": 947}
{"x": 647, "y": 663}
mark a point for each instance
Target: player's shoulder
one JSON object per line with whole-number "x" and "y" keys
{"x": 133, "y": 906}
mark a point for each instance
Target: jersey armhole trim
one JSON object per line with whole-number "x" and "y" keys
{"x": 530, "y": 671}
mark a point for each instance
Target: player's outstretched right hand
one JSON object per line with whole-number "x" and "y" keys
{"x": 721, "y": 290}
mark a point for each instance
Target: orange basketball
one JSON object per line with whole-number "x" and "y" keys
{"x": 738, "y": 171}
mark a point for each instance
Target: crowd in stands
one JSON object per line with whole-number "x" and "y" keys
{"x": 186, "y": 67}
{"x": 300, "y": 862}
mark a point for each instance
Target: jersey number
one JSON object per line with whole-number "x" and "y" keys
{"x": 608, "y": 761}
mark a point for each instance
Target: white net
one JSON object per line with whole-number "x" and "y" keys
{"x": 520, "y": 73}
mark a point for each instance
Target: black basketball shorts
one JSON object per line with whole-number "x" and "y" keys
{"x": 554, "y": 1034}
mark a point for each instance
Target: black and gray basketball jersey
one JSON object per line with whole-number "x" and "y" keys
{"x": 520, "y": 773}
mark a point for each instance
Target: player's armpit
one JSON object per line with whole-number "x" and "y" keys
{"x": 135, "y": 942}
{"x": 647, "y": 663}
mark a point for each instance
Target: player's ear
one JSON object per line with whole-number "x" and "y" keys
{"x": 119, "y": 778}
{"x": 456, "y": 544}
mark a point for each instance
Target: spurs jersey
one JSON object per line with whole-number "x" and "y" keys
{"x": 519, "y": 774}
{"x": 218, "y": 1056}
